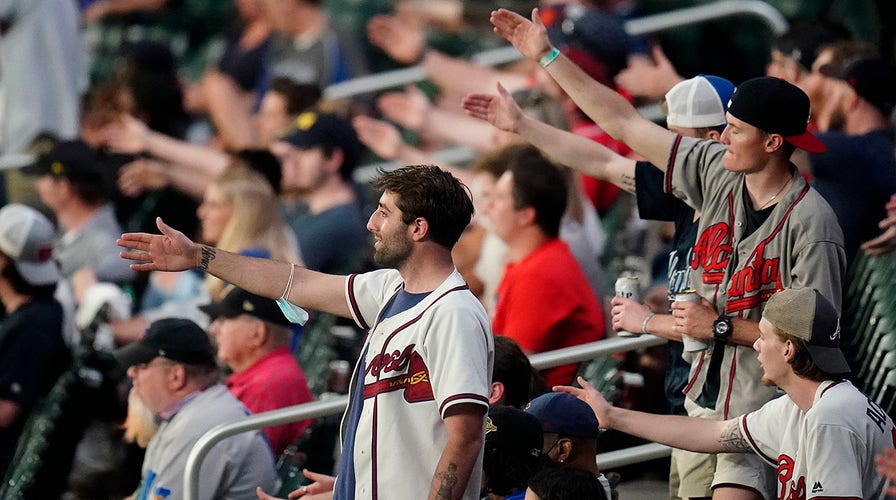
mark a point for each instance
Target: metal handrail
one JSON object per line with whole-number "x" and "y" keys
{"x": 336, "y": 405}
{"x": 641, "y": 26}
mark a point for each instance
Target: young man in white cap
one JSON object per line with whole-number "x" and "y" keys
{"x": 762, "y": 228}
{"x": 694, "y": 108}
{"x": 821, "y": 436}
{"x": 32, "y": 351}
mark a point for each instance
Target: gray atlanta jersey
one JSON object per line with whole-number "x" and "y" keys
{"x": 799, "y": 245}
{"x": 419, "y": 363}
{"x": 826, "y": 452}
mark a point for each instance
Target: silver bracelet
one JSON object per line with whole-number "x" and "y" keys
{"x": 644, "y": 323}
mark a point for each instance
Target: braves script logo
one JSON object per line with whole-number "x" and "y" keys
{"x": 788, "y": 488}
{"x": 712, "y": 251}
{"x": 413, "y": 376}
{"x": 758, "y": 273}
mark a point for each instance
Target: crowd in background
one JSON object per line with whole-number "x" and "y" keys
{"x": 214, "y": 116}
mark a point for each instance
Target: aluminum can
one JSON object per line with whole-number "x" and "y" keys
{"x": 691, "y": 344}
{"x": 689, "y": 295}
{"x": 628, "y": 287}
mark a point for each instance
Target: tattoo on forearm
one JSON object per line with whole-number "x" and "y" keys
{"x": 628, "y": 182}
{"x": 732, "y": 440}
{"x": 449, "y": 480}
{"x": 208, "y": 255}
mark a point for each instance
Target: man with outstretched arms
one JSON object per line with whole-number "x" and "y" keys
{"x": 821, "y": 437}
{"x": 761, "y": 229}
{"x": 415, "y": 422}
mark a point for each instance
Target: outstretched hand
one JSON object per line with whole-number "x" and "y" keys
{"x": 595, "y": 400}
{"x": 169, "y": 251}
{"x": 500, "y": 110}
{"x": 886, "y": 466}
{"x": 886, "y": 241}
{"x": 529, "y": 37}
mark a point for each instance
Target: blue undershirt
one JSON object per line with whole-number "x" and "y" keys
{"x": 345, "y": 486}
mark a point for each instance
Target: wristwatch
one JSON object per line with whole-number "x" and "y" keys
{"x": 722, "y": 328}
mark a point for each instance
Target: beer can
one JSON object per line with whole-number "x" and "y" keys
{"x": 628, "y": 287}
{"x": 691, "y": 344}
{"x": 689, "y": 295}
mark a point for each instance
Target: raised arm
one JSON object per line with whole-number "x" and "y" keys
{"x": 607, "y": 108}
{"x": 574, "y": 151}
{"x": 688, "y": 433}
{"x": 173, "y": 251}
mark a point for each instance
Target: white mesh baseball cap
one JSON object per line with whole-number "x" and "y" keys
{"x": 26, "y": 236}
{"x": 699, "y": 102}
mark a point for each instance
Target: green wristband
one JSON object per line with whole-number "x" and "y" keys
{"x": 548, "y": 59}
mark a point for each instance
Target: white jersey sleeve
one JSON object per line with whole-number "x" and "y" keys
{"x": 762, "y": 428}
{"x": 367, "y": 293}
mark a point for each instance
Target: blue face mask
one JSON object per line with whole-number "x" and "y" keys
{"x": 293, "y": 313}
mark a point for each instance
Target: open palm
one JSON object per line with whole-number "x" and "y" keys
{"x": 499, "y": 110}
{"x": 529, "y": 37}
{"x": 169, "y": 251}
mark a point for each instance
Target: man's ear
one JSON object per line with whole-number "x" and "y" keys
{"x": 497, "y": 393}
{"x": 714, "y": 135}
{"x": 526, "y": 215}
{"x": 773, "y": 142}
{"x": 419, "y": 229}
{"x": 177, "y": 377}
{"x": 334, "y": 161}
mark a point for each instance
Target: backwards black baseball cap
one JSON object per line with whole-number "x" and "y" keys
{"x": 176, "y": 339}
{"x": 238, "y": 301}
{"x": 777, "y": 107}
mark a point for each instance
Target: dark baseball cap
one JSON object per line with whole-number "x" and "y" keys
{"x": 598, "y": 33}
{"x": 778, "y": 107}
{"x": 808, "y": 315}
{"x": 238, "y": 301}
{"x": 564, "y": 414}
{"x": 314, "y": 129}
{"x": 73, "y": 160}
{"x": 176, "y": 339}
{"x": 873, "y": 78}
{"x": 513, "y": 448}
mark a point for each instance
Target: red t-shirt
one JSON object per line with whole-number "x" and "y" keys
{"x": 544, "y": 303}
{"x": 275, "y": 381}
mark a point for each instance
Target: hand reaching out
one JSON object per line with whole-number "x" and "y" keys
{"x": 500, "y": 110}
{"x": 127, "y": 135}
{"x": 886, "y": 466}
{"x": 410, "y": 108}
{"x": 886, "y": 241}
{"x": 649, "y": 77}
{"x": 398, "y": 38}
{"x": 381, "y": 137}
{"x": 141, "y": 175}
{"x": 169, "y": 251}
{"x": 529, "y": 37}
{"x": 594, "y": 398}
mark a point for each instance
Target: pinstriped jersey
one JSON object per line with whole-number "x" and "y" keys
{"x": 799, "y": 245}
{"x": 418, "y": 363}
{"x": 826, "y": 452}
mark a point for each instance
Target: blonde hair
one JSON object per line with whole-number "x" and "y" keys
{"x": 256, "y": 222}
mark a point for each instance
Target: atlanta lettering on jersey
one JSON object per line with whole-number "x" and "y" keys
{"x": 413, "y": 376}
{"x": 749, "y": 286}
{"x": 788, "y": 487}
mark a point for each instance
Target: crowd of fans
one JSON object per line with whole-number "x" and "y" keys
{"x": 209, "y": 122}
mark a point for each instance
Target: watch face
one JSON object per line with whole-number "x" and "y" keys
{"x": 721, "y": 326}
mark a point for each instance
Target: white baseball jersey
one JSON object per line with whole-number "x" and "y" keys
{"x": 826, "y": 452}
{"x": 419, "y": 363}
{"x": 799, "y": 245}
